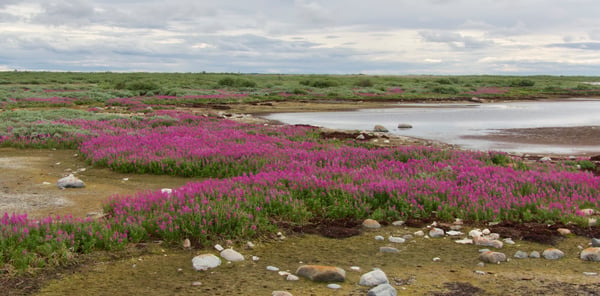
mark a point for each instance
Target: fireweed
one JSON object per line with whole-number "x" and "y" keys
{"x": 257, "y": 175}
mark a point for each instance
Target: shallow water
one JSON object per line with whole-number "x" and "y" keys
{"x": 450, "y": 123}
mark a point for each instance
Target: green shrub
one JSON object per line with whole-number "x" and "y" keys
{"x": 522, "y": 83}
{"x": 446, "y": 90}
{"x": 364, "y": 83}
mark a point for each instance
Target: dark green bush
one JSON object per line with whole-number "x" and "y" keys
{"x": 364, "y": 83}
{"x": 522, "y": 83}
{"x": 446, "y": 90}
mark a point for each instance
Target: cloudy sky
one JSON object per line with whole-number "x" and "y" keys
{"x": 558, "y": 37}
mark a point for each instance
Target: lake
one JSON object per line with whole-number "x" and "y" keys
{"x": 451, "y": 123}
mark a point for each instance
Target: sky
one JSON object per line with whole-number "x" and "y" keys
{"x": 447, "y": 37}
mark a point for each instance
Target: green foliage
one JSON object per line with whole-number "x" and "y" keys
{"x": 365, "y": 82}
{"x": 321, "y": 83}
{"x": 522, "y": 83}
{"x": 446, "y": 90}
{"x": 586, "y": 165}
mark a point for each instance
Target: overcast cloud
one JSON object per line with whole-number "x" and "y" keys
{"x": 559, "y": 37}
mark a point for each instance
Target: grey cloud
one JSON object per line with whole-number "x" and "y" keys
{"x": 455, "y": 40}
{"x": 66, "y": 12}
{"x": 577, "y": 45}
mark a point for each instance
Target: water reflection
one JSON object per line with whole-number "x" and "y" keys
{"x": 451, "y": 122}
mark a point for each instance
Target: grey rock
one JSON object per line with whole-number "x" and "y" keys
{"x": 404, "y": 125}
{"x": 272, "y": 268}
{"x": 595, "y": 242}
{"x": 388, "y": 250}
{"x": 205, "y": 262}
{"x": 398, "y": 223}
{"x": 281, "y": 293}
{"x": 70, "y": 181}
{"x": 521, "y": 255}
{"x": 380, "y": 128}
{"x": 383, "y": 290}
{"x": 371, "y": 224}
{"x": 588, "y": 273}
{"x": 590, "y": 254}
{"x": 232, "y": 255}
{"x": 492, "y": 257}
{"x": 373, "y": 278}
{"x": 321, "y": 273}
{"x": 291, "y": 277}
{"x": 379, "y": 238}
{"x": 334, "y": 286}
{"x": 553, "y": 254}
{"x": 535, "y": 255}
{"x": 394, "y": 239}
{"x": 436, "y": 232}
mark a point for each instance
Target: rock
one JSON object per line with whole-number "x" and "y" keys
{"x": 437, "y": 259}
{"x": 454, "y": 233}
{"x": 404, "y": 125}
{"x": 492, "y": 257}
{"x": 383, "y": 290}
{"x": 590, "y": 254}
{"x": 477, "y": 100}
{"x": 586, "y": 212}
{"x": 535, "y": 255}
{"x": 321, "y": 273}
{"x": 553, "y": 254}
{"x": 419, "y": 233}
{"x": 272, "y": 268}
{"x": 486, "y": 232}
{"x": 587, "y": 273}
{"x": 380, "y": 128}
{"x": 564, "y": 231}
{"x": 255, "y": 258}
{"x": 486, "y": 242}
{"x": 292, "y": 277}
{"x": 360, "y": 137}
{"x": 464, "y": 241}
{"x": 371, "y": 224}
{"x": 595, "y": 242}
{"x": 475, "y": 232}
{"x": 219, "y": 248}
{"x": 232, "y": 255}
{"x": 196, "y": 284}
{"x": 355, "y": 268}
{"x": 205, "y": 262}
{"x": 334, "y": 286}
{"x": 436, "y": 232}
{"x": 592, "y": 222}
{"x": 521, "y": 255}
{"x": 379, "y": 238}
{"x": 187, "y": 244}
{"x": 250, "y": 245}
{"x": 407, "y": 237}
{"x": 397, "y": 240}
{"x": 165, "y": 190}
{"x": 545, "y": 159}
{"x": 508, "y": 241}
{"x": 480, "y": 272}
{"x": 398, "y": 223}
{"x": 388, "y": 250}
{"x": 373, "y": 278}
{"x": 281, "y": 293}
{"x": 70, "y": 181}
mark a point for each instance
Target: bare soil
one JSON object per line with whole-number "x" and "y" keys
{"x": 576, "y": 136}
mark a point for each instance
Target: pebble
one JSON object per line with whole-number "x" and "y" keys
{"x": 436, "y": 232}
{"x": 492, "y": 257}
{"x": 454, "y": 233}
{"x": 564, "y": 231}
{"x": 283, "y": 273}
{"x": 195, "y": 284}
{"x": 70, "y": 181}
{"x": 553, "y": 254}
{"x": 508, "y": 241}
{"x": 486, "y": 232}
{"x": 281, "y": 293}
{"x": 475, "y": 233}
{"x": 255, "y": 258}
{"x": 586, "y": 273}
{"x": 166, "y": 190}
{"x": 383, "y": 290}
{"x": 419, "y": 233}
{"x": 388, "y": 250}
{"x": 292, "y": 277}
{"x": 371, "y": 224}
{"x": 595, "y": 242}
{"x": 334, "y": 286}
{"x": 407, "y": 237}
{"x": 205, "y": 261}
{"x": 521, "y": 255}
{"x": 373, "y": 278}
{"x": 272, "y": 268}
{"x": 250, "y": 245}
{"x": 482, "y": 241}
{"x": 322, "y": 273}
{"x": 592, "y": 222}
{"x": 534, "y": 254}
{"x": 404, "y": 125}
{"x": 591, "y": 254}
{"x": 355, "y": 268}
{"x": 479, "y": 272}
{"x": 437, "y": 259}
{"x": 232, "y": 255}
{"x": 187, "y": 244}
{"x": 219, "y": 248}
{"x": 397, "y": 240}
{"x": 379, "y": 238}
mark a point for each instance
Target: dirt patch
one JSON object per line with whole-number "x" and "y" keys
{"x": 459, "y": 289}
{"x": 541, "y": 233}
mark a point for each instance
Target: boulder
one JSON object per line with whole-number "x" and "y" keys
{"x": 205, "y": 262}
{"x": 70, "y": 181}
{"x": 370, "y": 223}
{"x": 436, "y": 232}
{"x": 232, "y": 255}
{"x": 383, "y": 290}
{"x": 321, "y": 273}
{"x": 373, "y": 278}
{"x": 404, "y": 125}
{"x": 553, "y": 254}
{"x": 380, "y": 128}
{"x": 492, "y": 257}
{"x": 590, "y": 254}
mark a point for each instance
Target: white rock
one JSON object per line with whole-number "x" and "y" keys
{"x": 292, "y": 277}
{"x": 419, "y": 233}
{"x": 464, "y": 241}
{"x": 272, "y": 268}
{"x": 534, "y": 254}
{"x": 454, "y": 233}
{"x": 255, "y": 258}
{"x": 219, "y": 248}
{"x": 232, "y": 255}
{"x": 590, "y": 254}
{"x": 397, "y": 240}
{"x": 398, "y": 223}
{"x": 492, "y": 257}
{"x": 587, "y": 273}
{"x": 166, "y": 190}
{"x": 250, "y": 245}
{"x": 383, "y": 290}
{"x": 475, "y": 232}
{"x": 205, "y": 261}
{"x": 379, "y": 238}
{"x": 187, "y": 244}
{"x": 586, "y": 212}
{"x": 479, "y": 272}
{"x": 388, "y": 250}
{"x": 70, "y": 181}
{"x": 281, "y": 293}
{"x": 46, "y": 183}
{"x": 355, "y": 268}
{"x": 553, "y": 254}
{"x": 437, "y": 259}
{"x": 436, "y": 232}
{"x": 508, "y": 241}
{"x": 486, "y": 231}
{"x": 334, "y": 286}
{"x": 373, "y": 278}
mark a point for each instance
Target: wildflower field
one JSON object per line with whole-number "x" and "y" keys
{"x": 252, "y": 176}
